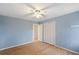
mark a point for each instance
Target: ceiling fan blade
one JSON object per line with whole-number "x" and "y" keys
{"x": 50, "y": 6}
{"x": 30, "y": 6}
{"x": 28, "y": 14}
{"x": 42, "y": 14}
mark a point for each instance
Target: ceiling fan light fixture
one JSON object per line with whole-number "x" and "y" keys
{"x": 37, "y": 13}
{"x": 37, "y": 16}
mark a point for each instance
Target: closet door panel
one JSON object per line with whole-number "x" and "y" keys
{"x": 49, "y": 32}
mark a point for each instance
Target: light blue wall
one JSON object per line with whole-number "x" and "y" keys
{"x": 67, "y": 35}
{"x": 67, "y": 30}
{"x": 14, "y": 31}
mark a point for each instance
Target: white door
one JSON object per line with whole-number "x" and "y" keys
{"x": 37, "y": 32}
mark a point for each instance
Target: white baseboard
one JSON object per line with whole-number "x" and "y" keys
{"x": 64, "y": 48}
{"x": 15, "y": 46}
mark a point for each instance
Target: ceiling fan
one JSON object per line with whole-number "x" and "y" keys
{"x": 37, "y": 13}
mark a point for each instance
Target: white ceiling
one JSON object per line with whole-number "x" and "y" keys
{"x": 19, "y": 10}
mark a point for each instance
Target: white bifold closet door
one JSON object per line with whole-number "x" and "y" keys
{"x": 49, "y": 33}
